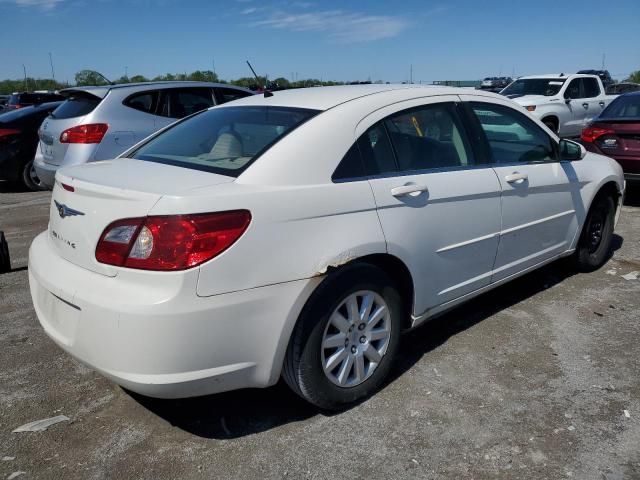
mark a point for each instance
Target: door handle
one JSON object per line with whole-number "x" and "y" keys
{"x": 602, "y": 104}
{"x": 516, "y": 177}
{"x": 409, "y": 189}
{"x": 585, "y": 105}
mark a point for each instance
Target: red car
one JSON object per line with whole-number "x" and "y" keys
{"x": 616, "y": 134}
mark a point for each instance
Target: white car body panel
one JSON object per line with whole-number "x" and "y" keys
{"x": 226, "y": 324}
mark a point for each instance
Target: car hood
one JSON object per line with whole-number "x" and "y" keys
{"x": 532, "y": 99}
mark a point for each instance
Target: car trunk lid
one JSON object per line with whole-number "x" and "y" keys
{"x": 87, "y": 198}
{"x": 623, "y": 142}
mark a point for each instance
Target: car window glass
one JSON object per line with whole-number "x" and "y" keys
{"x": 591, "y": 87}
{"x": 512, "y": 137}
{"x": 76, "y": 106}
{"x": 350, "y": 166}
{"x": 573, "y": 89}
{"x": 225, "y": 95}
{"x": 376, "y": 151}
{"x": 185, "y": 101}
{"x": 427, "y": 137}
{"x": 622, "y": 107}
{"x": 145, "y": 101}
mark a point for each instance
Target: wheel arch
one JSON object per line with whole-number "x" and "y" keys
{"x": 552, "y": 117}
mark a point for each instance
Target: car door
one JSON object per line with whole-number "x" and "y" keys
{"x": 593, "y": 97}
{"x": 438, "y": 206}
{"x": 539, "y": 193}
{"x": 579, "y": 108}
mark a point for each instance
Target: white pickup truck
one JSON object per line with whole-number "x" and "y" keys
{"x": 565, "y": 103}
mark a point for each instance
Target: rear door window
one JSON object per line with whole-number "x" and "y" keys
{"x": 185, "y": 101}
{"x": 76, "y": 106}
{"x": 145, "y": 101}
{"x": 591, "y": 87}
{"x": 376, "y": 151}
{"x": 428, "y": 137}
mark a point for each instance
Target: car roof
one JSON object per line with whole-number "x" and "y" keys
{"x": 102, "y": 90}
{"x": 324, "y": 98}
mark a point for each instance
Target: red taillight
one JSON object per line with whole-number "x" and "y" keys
{"x": 90, "y": 133}
{"x": 170, "y": 242}
{"x": 7, "y": 132}
{"x": 590, "y": 134}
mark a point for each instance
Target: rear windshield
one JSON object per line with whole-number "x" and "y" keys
{"x": 534, "y": 86}
{"x": 223, "y": 140}
{"x": 627, "y": 106}
{"x": 76, "y": 106}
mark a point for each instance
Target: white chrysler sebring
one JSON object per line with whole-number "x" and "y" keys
{"x": 298, "y": 234}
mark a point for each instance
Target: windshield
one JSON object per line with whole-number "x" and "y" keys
{"x": 627, "y": 106}
{"x": 223, "y": 140}
{"x": 535, "y": 86}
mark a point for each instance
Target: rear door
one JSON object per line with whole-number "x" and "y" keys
{"x": 539, "y": 193}
{"x": 438, "y": 205}
{"x": 185, "y": 101}
{"x": 593, "y": 97}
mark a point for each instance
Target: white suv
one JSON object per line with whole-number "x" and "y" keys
{"x": 96, "y": 123}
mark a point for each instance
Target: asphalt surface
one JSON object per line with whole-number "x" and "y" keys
{"x": 537, "y": 379}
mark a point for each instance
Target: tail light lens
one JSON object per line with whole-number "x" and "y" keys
{"x": 90, "y": 133}
{"x": 590, "y": 134}
{"x": 170, "y": 242}
{"x": 7, "y": 132}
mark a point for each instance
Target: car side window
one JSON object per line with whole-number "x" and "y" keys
{"x": 350, "y": 166}
{"x": 145, "y": 101}
{"x": 224, "y": 95}
{"x": 573, "y": 89}
{"x": 428, "y": 137}
{"x": 591, "y": 87}
{"x": 185, "y": 101}
{"x": 512, "y": 137}
{"x": 376, "y": 151}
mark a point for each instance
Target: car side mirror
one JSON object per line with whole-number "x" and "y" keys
{"x": 570, "y": 150}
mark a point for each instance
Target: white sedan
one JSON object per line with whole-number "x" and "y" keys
{"x": 298, "y": 234}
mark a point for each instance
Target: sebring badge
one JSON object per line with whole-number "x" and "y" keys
{"x": 65, "y": 211}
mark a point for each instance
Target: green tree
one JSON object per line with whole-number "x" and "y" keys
{"x": 89, "y": 77}
{"x": 634, "y": 77}
{"x": 138, "y": 79}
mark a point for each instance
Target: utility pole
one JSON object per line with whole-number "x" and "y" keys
{"x": 213, "y": 64}
{"x": 126, "y": 72}
{"x": 411, "y": 73}
{"x": 604, "y": 56}
{"x": 53, "y": 74}
{"x": 24, "y": 69}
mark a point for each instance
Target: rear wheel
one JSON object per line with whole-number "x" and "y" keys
{"x": 551, "y": 124}
{"x": 345, "y": 340}
{"x": 595, "y": 240}
{"x": 30, "y": 177}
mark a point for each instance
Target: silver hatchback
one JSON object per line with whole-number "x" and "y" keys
{"x": 97, "y": 123}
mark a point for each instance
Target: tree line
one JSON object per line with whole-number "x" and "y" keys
{"x": 90, "y": 77}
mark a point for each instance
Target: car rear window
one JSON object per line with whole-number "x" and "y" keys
{"x": 76, "y": 105}
{"x": 223, "y": 140}
{"x": 627, "y": 106}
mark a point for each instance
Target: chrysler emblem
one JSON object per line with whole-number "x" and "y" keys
{"x": 65, "y": 211}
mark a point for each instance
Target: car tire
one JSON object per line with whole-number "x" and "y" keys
{"x": 5, "y": 261}
{"x": 551, "y": 125}
{"x": 30, "y": 179}
{"x": 594, "y": 245}
{"x": 310, "y": 354}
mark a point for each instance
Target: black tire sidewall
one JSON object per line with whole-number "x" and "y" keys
{"x": 5, "y": 262}
{"x": 587, "y": 261}
{"x": 26, "y": 177}
{"x": 311, "y": 380}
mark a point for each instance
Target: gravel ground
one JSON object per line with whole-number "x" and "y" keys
{"x": 537, "y": 379}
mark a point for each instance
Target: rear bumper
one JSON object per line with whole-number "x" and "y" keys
{"x": 630, "y": 164}
{"x": 157, "y": 337}
{"x": 45, "y": 171}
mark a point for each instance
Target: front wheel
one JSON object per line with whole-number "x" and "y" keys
{"x": 346, "y": 338}
{"x": 595, "y": 240}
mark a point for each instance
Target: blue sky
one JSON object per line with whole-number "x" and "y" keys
{"x": 332, "y": 40}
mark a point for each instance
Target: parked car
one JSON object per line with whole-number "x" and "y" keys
{"x": 25, "y": 99}
{"x": 494, "y": 84}
{"x": 19, "y": 141}
{"x": 604, "y": 76}
{"x": 564, "y": 103}
{"x": 3, "y": 102}
{"x": 622, "y": 87}
{"x": 299, "y": 234}
{"x": 97, "y": 123}
{"x": 616, "y": 134}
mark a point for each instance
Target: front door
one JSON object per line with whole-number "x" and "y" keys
{"x": 439, "y": 208}
{"x": 539, "y": 193}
